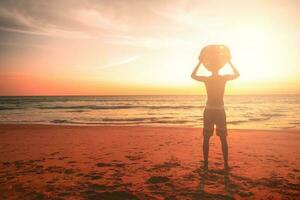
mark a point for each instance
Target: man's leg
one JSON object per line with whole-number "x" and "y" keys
{"x": 223, "y": 139}
{"x": 208, "y": 129}
{"x": 222, "y": 133}
{"x": 206, "y": 150}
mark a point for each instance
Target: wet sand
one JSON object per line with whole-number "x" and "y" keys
{"x": 122, "y": 163}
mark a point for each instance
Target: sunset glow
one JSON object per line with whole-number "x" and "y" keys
{"x": 145, "y": 47}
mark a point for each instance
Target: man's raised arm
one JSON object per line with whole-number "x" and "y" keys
{"x": 194, "y": 73}
{"x": 235, "y": 74}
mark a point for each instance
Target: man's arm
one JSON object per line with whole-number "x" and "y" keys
{"x": 235, "y": 74}
{"x": 194, "y": 73}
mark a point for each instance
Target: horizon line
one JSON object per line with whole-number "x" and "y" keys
{"x": 97, "y": 95}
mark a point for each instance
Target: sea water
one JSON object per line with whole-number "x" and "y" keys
{"x": 243, "y": 111}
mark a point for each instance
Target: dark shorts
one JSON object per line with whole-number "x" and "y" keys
{"x": 212, "y": 117}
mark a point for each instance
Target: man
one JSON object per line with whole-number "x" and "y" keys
{"x": 214, "y": 57}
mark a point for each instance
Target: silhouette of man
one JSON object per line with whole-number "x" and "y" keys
{"x": 214, "y": 57}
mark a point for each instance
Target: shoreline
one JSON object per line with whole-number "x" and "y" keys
{"x": 140, "y": 126}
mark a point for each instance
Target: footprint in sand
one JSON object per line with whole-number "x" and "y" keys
{"x": 92, "y": 175}
{"x": 117, "y": 195}
{"x": 5, "y": 163}
{"x": 134, "y": 157}
{"x": 100, "y": 164}
{"x": 165, "y": 166}
{"x": 59, "y": 170}
{"x": 54, "y": 153}
{"x": 158, "y": 179}
{"x": 94, "y": 187}
{"x": 63, "y": 157}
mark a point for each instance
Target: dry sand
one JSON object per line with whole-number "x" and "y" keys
{"x": 121, "y": 163}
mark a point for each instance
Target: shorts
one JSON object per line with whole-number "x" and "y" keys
{"x": 213, "y": 117}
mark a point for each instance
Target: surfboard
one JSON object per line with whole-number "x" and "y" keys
{"x": 214, "y": 57}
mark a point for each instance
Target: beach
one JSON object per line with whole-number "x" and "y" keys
{"x": 139, "y": 162}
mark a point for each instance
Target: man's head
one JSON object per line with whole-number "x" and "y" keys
{"x": 214, "y": 57}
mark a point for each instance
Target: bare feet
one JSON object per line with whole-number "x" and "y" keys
{"x": 205, "y": 165}
{"x": 226, "y": 166}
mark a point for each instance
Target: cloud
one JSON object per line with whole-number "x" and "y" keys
{"x": 47, "y": 18}
{"x": 147, "y": 24}
{"x": 118, "y": 22}
{"x": 81, "y": 15}
{"x": 121, "y": 62}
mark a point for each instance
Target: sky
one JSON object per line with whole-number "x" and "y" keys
{"x": 136, "y": 47}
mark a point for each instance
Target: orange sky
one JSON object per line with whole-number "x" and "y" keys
{"x": 145, "y": 47}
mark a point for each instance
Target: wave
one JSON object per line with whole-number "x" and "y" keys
{"x": 79, "y": 111}
{"x": 8, "y": 108}
{"x": 295, "y": 123}
{"x": 259, "y": 119}
{"x": 234, "y": 122}
{"x": 141, "y": 119}
{"x": 61, "y": 121}
{"x": 170, "y": 121}
{"x": 83, "y": 107}
{"x": 138, "y": 120}
{"x": 272, "y": 115}
{"x": 94, "y": 107}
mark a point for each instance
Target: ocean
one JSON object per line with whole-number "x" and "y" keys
{"x": 243, "y": 111}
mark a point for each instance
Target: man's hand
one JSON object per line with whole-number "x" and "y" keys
{"x": 200, "y": 59}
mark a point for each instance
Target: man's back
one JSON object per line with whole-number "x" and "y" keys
{"x": 215, "y": 86}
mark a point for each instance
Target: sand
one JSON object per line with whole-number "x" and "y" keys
{"x": 121, "y": 163}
